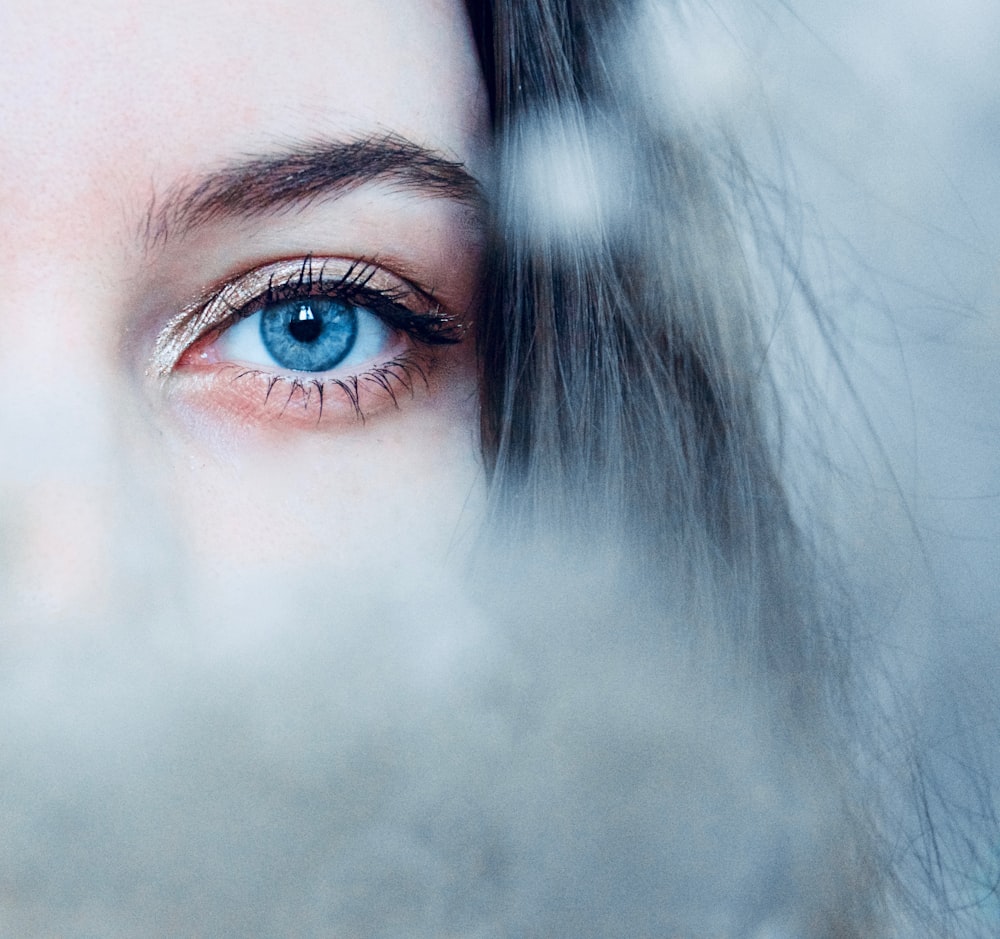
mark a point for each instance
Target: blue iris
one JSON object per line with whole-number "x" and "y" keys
{"x": 311, "y": 335}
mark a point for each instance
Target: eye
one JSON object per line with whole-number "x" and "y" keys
{"x": 314, "y": 334}
{"x": 312, "y": 325}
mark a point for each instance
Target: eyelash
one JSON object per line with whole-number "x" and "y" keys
{"x": 403, "y": 307}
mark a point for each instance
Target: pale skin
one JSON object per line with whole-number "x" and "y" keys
{"x": 245, "y": 687}
{"x": 183, "y": 482}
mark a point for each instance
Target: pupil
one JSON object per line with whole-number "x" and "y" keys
{"x": 305, "y": 326}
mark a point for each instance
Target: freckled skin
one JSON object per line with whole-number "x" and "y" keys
{"x": 107, "y": 108}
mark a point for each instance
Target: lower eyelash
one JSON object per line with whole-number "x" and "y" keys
{"x": 400, "y": 372}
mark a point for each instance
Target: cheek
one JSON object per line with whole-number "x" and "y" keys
{"x": 280, "y": 526}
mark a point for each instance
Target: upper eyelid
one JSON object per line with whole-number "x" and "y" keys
{"x": 219, "y": 305}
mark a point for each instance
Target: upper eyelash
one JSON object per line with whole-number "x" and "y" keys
{"x": 203, "y": 318}
{"x": 353, "y": 286}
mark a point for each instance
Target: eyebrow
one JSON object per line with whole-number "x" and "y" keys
{"x": 304, "y": 173}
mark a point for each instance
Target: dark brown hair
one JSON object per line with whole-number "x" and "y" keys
{"x": 623, "y": 377}
{"x": 622, "y": 374}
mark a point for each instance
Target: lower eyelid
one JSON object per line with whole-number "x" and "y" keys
{"x": 254, "y": 397}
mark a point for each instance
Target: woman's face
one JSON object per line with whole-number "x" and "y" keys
{"x": 239, "y": 247}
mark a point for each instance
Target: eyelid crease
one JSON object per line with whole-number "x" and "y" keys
{"x": 241, "y": 295}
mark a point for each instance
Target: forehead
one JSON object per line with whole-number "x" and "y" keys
{"x": 113, "y": 95}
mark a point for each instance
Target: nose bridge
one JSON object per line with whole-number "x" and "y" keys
{"x": 76, "y": 156}
{"x": 58, "y": 369}
{"x": 61, "y": 459}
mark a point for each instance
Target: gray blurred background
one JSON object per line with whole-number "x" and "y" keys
{"x": 885, "y": 118}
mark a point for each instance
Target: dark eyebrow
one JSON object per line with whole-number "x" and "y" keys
{"x": 302, "y": 174}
